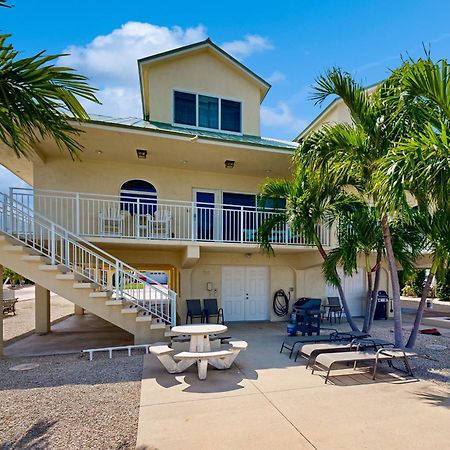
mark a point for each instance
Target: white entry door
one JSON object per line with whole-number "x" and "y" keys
{"x": 354, "y": 289}
{"x": 245, "y": 293}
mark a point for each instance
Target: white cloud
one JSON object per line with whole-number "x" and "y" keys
{"x": 110, "y": 62}
{"x": 276, "y": 77}
{"x": 252, "y": 43}
{"x": 282, "y": 117}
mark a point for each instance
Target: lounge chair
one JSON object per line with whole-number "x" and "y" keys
{"x": 311, "y": 351}
{"x": 327, "y": 361}
{"x": 291, "y": 342}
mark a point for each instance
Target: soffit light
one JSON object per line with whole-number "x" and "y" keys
{"x": 229, "y": 164}
{"x": 141, "y": 153}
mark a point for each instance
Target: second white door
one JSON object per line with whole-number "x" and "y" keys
{"x": 245, "y": 293}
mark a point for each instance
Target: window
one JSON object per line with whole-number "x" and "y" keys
{"x": 231, "y": 116}
{"x": 207, "y": 112}
{"x": 185, "y": 108}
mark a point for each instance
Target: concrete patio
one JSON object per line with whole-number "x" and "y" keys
{"x": 268, "y": 401}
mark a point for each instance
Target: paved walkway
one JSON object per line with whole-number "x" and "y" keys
{"x": 267, "y": 401}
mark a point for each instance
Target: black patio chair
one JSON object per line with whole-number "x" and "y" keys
{"x": 194, "y": 310}
{"x": 335, "y": 309}
{"x": 211, "y": 309}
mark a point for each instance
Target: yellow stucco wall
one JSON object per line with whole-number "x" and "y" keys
{"x": 202, "y": 73}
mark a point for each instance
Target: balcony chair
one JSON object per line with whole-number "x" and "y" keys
{"x": 111, "y": 221}
{"x": 211, "y": 309}
{"x": 194, "y": 310}
{"x": 161, "y": 223}
{"x": 335, "y": 309}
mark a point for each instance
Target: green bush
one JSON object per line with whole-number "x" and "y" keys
{"x": 443, "y": 287}
{"x": 413, "y": 286}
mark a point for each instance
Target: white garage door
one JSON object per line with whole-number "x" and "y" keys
{"x": 355, "y": 291}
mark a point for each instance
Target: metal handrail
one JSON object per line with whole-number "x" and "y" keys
{"x": 84, "y": 258}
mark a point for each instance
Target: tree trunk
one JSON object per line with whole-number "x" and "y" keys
{"x": 419, "y": 313}
{"x": 369, "y": 294}
{"x": 398, "y": 323}
{"x": 348, "y": 315}
{"x": 376, "y": 287}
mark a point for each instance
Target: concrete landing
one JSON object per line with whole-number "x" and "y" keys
{"x": 268, "y": 401}
{"x": 70, "y": 336}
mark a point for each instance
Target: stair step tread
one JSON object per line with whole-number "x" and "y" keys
{"x": 147, "y": 318}
{"x": 33, "y": 258}
{"x": 65, "y": 276}
{"x": 85, "y": 285}
{"x": 100, "y": 294}
{"x": 48, "y": 267}
{"x": 114, "y": 302}
{"x": 13, "y": 248}
{"x": 157, "y": 326}
{"x": 130, "y": 310}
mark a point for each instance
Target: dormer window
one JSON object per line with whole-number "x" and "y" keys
{"x": 205, "y": 111}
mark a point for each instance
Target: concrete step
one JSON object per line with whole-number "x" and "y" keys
{"x": 158, "y": 326}
{"x": 144, "y": 318}
{"x": 66, "y": 276}
{"x": 114, "y": 302}
{"x": 34, "y": 258}
{"x": 100, "y": 294}
{"x": 85, "y": 285}
{"x": 13, "y": 248}
{"x": 48, "y": 267}
{"x": 130, "y": 310}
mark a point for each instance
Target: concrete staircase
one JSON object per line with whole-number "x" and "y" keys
{"x": 81, "y": 291}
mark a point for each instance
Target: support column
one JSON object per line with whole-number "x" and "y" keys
{"x": 78, "y": 310}
{"x": 41, "y": 310}
{"x": 1, "y": 311}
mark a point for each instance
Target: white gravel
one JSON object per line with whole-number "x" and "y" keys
{"x": 432, "y": 364}
{"x": 70, "y": 403}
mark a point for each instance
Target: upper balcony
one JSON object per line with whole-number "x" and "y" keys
{"x": 140, "y": 217}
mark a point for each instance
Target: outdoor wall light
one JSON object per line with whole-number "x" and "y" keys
{"x": 141, "y": 154}
{"x": 229, "y": 164}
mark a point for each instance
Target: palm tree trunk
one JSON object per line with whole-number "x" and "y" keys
{"x": 423, "y": 299}
{"x": 369, "y": 294}
{"x": 376, "y": 287}
{"x": 398, "y": 323}
{"x": 348, "y": 315}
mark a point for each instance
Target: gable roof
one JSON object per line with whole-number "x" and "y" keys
{"x": 264, "y": 86}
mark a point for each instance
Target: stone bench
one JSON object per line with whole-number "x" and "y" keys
{"x": 203, "y": 358}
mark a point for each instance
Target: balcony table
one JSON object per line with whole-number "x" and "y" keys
{"x": 199, "y": 334}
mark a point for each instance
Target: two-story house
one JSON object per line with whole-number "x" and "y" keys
{"x": 172, "y": 195}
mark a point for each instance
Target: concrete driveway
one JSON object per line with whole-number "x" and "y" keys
{"x": 266, "y": 401}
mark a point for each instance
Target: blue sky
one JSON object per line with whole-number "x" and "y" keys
{"x": 289, "y": 44}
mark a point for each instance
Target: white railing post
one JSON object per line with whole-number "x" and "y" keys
{"x": 241, "y": 214}
{"x": 77, "y": 213}
{"x": 52, "y": 244}
{"x": 173, "y": 309}
{"x": 193, "y": 221}
{"x": 137, "y": 223}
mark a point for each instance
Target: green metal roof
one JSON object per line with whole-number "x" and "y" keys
{"x": 165, "y": 128}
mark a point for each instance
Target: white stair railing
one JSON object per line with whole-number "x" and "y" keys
{"x": 86, "y": 260}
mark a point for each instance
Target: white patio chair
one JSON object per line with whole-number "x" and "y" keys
{"x": 111, "y": 221}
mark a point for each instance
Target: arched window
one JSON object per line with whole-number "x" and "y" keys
{"x": 138, "y": 192}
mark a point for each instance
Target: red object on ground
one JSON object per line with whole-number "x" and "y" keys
{"x": 433, "y": 331}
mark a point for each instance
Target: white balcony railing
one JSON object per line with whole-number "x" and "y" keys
{"x": 138, "y": 215}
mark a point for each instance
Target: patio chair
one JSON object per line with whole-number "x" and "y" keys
{"x": 334, "y": 308}
{"x": 111, "y": 221}
{"x": 194, "y": 310}
{"x": 211, "y": 309}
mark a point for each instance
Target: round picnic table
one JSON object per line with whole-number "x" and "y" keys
{"x": 199, "y": 334}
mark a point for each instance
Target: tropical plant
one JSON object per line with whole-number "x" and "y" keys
{"x": 309, "y": 204}
{"x": 350, "y": 154}
{"x": 39, "y": 100}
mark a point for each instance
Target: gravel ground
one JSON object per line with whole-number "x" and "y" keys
{"x": 70, "y": 403}
{"x": 23, "y": 321}
{"x": 433, "y": 364}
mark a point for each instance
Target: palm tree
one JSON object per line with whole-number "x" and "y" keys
{"x": 309, "y": 204}
{"x": 39, "y": 100}
{"x": 350, "y": 154}
{"x": 421, "y": 165}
